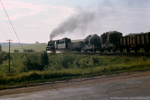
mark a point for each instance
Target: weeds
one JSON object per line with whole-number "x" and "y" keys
{"x": 67, "y": 66}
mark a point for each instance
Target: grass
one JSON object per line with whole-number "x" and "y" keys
{"x": 68, "y": 66}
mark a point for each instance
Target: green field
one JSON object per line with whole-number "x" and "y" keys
{"x": 36, "y": 47}
{"x": 66, "y": 66}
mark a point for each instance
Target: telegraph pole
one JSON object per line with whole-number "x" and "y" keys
{"x": 9, "y": 41}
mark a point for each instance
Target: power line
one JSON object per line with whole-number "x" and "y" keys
{"x": 19, "y": 42}
{"x": 13, "y": 28}
{"x": 10, "y": 21}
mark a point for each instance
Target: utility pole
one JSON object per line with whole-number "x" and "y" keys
{"x": 9, "y": 41}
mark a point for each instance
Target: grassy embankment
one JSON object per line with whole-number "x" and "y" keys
{"x": 67, "y": 66}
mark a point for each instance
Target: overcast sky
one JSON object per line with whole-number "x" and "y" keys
{"x": 34, "y": 20}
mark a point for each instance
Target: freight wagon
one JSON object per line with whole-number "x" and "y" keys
{"x": 136, "y": 42}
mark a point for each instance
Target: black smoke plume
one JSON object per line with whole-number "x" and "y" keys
{"x": 97, "y": 18}
{"x": 79, "y": 21}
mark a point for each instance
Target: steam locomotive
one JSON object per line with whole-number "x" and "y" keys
{"x": 109, "y": 41}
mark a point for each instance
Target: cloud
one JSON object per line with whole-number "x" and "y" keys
{"x": 21, "y": 9}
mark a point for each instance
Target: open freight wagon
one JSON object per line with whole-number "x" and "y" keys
{"x": 136, "y": 42}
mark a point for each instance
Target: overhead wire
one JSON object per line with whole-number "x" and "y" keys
{"x": 13, "y": 28}
{"x": 21, "y": 42}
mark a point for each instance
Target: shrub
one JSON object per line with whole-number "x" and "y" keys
{"x": 16, "y": 50}
{"x": 36, "y": 62}
{"x": 67, "y": 61}
{"x": 44, "y": 59}
{"x": 33, "y": 63}
{"x": 29, "y": 50}
{"x": 3, "y": 56}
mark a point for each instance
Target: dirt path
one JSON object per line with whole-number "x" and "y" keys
{"x": 116, "y": 85}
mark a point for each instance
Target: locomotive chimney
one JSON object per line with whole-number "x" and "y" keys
{"x": 50, "y": 38}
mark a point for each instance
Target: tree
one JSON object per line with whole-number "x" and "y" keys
{"x": 36, "y": 42}
{"x": 44, "y": 59}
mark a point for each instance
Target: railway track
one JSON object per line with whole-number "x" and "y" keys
{"x": 106, "y": 53}
{"x": 117, "y": 54}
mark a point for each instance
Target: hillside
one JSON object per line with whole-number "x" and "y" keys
{"x": 36, "y": 47}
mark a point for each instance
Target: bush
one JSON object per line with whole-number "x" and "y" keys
{"x": 67, "y": 61}
{"x": 33, "y": 63}
{"x": 36, "y": 62}
{"x": 29, "y": 50}
{"x": 3, "y": 56}
{"x": 16, "y": 50}
{"x": 44, "y": 59}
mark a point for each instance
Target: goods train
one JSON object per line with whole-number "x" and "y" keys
{"x": 109, "y": 41}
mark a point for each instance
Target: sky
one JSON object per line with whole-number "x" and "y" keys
{"x": 36, "y": 20}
